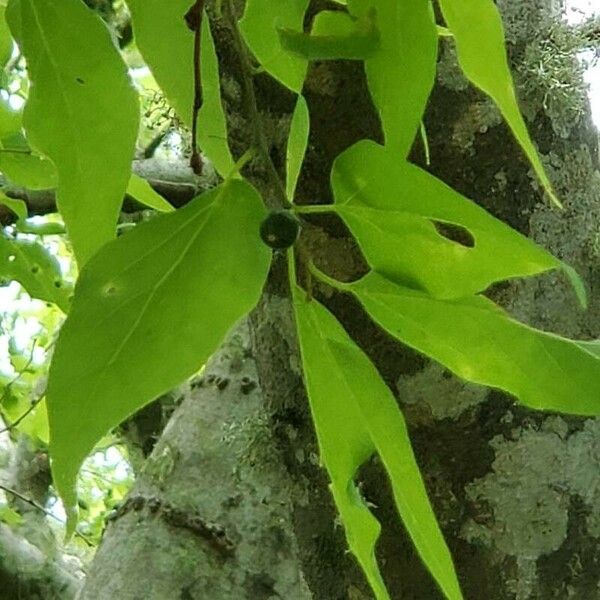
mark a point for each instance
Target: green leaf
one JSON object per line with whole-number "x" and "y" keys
{"x": 260, "y": 25}
{"x": 401, "y": 74}
{"x": 479, "y": 35}
{"x": 6, "y": 42}
{"x": 342, "y": 381}
{"x": 82, "y": 113}
{"x": 18, "y": 207}
{"x": 149, "y": 309}
{"x": 9, "y": 516}
{"x": 142, "y": 191}
{"x": 296, "y": 146}
{"x": 10, "y": 120}
{"x": 392, "y": 208}
{"x": 27, "y": 169}
{"x": 479, "y": 342}
{"x": 35, "y": 269}
{"x": 335, "y": 36}
{"x": 167, "y": 45}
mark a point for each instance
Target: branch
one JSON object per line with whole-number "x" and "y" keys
{"x": 174, "y": 180}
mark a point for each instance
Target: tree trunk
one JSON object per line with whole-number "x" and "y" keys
{"x": 232, "y": 502}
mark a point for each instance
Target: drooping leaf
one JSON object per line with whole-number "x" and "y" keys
{"x": 356, "y": 415}
{"x": 296, "y": 146}
{"x": 260, "y": 25}
{"x": 402, "y": 72}
{"x": 18, "y": 207}
{"x": 78, "y": 78}
{"x": 148, "y": 311}
{"x": 334, "y": 36}
{"x": 477, "y": 29}
{"x": 167, "y": 45}
{"x": 142, "y": 191}
{"x": 35, "y": 269}
{"x": 397, "y": 212}
{"x": 479, "y": 342}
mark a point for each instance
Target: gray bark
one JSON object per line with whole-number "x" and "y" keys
{"x": 209, "y": 516}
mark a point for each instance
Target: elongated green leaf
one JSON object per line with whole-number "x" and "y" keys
{"x": 260, "y": 25}
{"x": 148, "y": 311}
{"x": 479, "y": 342}
{"x": 167, "y": 45}
{"x": 35, "y": 269}
{"x": 392, "y": 208}
{"x": 402, "y": 72}
{"x": 341, "y": 380}
{"x": 477, "y": 29}
{"x": 82, "y": 113}
{"x": 142, "y": 191}
{"x": 334, "y": 36}
{"x": 296, "y": 146}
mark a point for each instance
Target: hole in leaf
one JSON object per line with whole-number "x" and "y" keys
{"x": 11, "y": 258}
{"x": 455, "y": 233}
{"x": 57, "y": 283}
{"x": 35, "y": 269}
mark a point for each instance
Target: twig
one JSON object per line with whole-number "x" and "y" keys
{"x": 252, "y": 109}
{"x": 11, "y": 383}
{"x": 193, "y": 18}
{"x": 39, "y": 507}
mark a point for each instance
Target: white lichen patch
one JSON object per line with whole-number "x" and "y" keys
{"x": 523, "y": 503}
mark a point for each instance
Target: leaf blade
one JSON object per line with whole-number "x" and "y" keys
{"x": 71, "y": 85}
{"x": 479, "y": 35}
{"x": 393, "y": 207}
{"x": 477, "y": 341}
{"x": 179, "y": 281}
{"x": 333, "y": 366}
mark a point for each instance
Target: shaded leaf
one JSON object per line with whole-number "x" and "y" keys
{"x": 35, "y": 269}
{"x": 477, "y": 29}
{"x": 402, "y": 72}
{"x": 334, "y": 36}
{"x": 18, "y": 207}
{"x": 259, "y": 26}
{"x": 142, "y": 191}
{"x": 341, "y": 380}
{"x": 296, "y": 145}
{"x": 167, "y": 45}
{"x": 6, "y": 42}
{"x": 27, "y": 169}
{"x": 479, "y": 342}
{"x": 148, "y": 311}
{"x": 10, "y": 119}
{"x": 9, "y": 516}
{"x": 396, "y": 210}
{"x": 70, "y": 115}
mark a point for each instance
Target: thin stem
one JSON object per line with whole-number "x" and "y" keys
{"x": 252, "y": 109}
{"x": 330, "y": 281}
{"x": 194, "y": 21}
{"x": 307, "y": 209}
{"x": 39, "y": 507}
